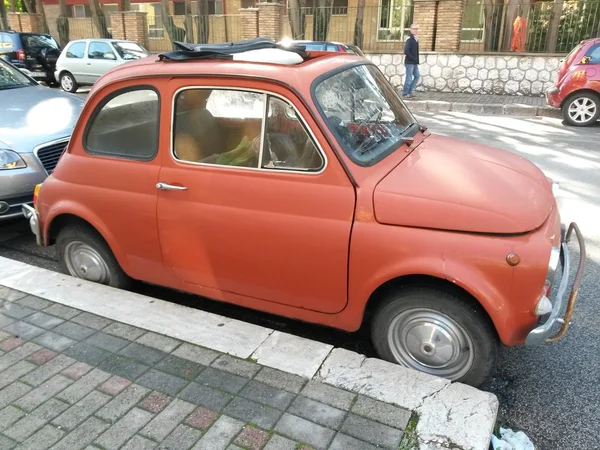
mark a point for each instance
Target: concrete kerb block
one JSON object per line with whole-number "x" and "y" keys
{"x": 520, "y": 110}
{"x": 438, "y": 106}
{"x": 548, "y": 111}
{"x": 493, "y": 110}
{"x": 417, "y": 105}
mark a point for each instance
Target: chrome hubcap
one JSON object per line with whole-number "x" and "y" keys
{"x": 85, "y": 262}
{"x": 582, "y": 110}
{"x": 67, "y": 83}
{"x": 429, "y": 341}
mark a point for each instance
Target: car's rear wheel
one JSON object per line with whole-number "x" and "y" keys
{"x": 582, "y": 109}
{"x": 84, "y": 254}
{"x": 68, "y": 83}
{"x": 438, "y": 333}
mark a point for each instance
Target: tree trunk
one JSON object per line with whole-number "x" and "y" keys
{"x": 3, "y": 16}
{"x": 556, "y": 13}
{"x": 99, "y": 19}
{"x": 62, "y": 23}
{"x": 175, "y": 33}
{"x": 43, "y": 23}
{"x": 125, "y": 5}
{"x": 13, "y": 6}
{"x": 203, "y": 21}
{"x": 297, "y": 16}
{"x": 189, "y": 23}
{"x": 488, "y": 12}
{"x": 321, "y": 19}
{"x": 29, "y": 6}
{"x": 359, "y": 33}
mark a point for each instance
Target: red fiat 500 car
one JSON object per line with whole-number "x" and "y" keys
{"x": 577, "y": 87}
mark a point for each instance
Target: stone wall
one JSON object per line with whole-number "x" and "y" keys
{"x": 478, "y": 74}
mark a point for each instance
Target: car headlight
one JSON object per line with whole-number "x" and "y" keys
{"x": 10, "y": 160}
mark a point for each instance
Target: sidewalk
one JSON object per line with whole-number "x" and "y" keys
{"x": 481, "y": 104}
{"x": 88, "y": 366}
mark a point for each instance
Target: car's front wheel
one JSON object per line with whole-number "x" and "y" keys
{"x": 436, "y": 332}
{"x": 68, "y": 83}
{"x": 582, "y": 109}
{"x": 83, "y": 253}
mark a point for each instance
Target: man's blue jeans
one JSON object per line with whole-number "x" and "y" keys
{"x": 411, "y": 79}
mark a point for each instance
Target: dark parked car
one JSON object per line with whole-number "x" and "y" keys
{"x": 35, "y": 52}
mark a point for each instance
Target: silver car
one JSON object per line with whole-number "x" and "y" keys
{"x": 36, "y": 123}
{"x": 84, "y": 61}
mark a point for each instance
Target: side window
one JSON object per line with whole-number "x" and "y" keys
{"x": 101, "y": 50}
{"x": 594, "y": 54}
{"x": 5, "y": 43}
{"x": 126, "y": 126}
{"x": 76, "y": 50}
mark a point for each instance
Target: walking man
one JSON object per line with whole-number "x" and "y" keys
{"x": 411, "y": 62}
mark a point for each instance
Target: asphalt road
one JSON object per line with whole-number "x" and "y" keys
{"x": 552, "y": 392}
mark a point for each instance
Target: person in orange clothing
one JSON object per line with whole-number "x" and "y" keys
{"x": 517, "y": 43}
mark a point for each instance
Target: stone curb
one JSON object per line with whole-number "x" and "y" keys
{"x": 488, "y": 109}
{"x": 451, "y": 415}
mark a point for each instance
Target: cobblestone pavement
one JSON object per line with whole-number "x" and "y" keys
{"x": 479, "y": 99}
{"x": 72, "y": 380}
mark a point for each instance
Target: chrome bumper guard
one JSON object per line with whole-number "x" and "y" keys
{"x": 32, "y": 215}
{"x": 543, "y": 334}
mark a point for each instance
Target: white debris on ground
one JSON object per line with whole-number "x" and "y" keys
{"x": 511, "y": 440}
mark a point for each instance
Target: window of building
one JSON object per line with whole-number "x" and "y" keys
{"x": 395, "y": 18}
{"x": 155, "y": 24}
{"x": 473, "y": 22}
{"x": 126, "y": 126}
{"x": 80, "y": 11}
{"x": 215, "y": 7}
{"x": 76, "y": 50}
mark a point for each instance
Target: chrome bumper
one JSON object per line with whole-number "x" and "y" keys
{"x": 543, "y": 333}
{"x": 32, "y": 215}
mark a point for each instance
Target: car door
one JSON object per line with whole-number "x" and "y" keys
{"x": 75, "y": 61}
{"x": 101, "y": 57}
{"x": 276, "y": 231}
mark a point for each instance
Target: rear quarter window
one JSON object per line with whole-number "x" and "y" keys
{"x": 6, "y": 43}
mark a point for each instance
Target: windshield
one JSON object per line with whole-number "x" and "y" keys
{"x": 130, "y": 50}
{"x": 36, "y": 42}
{"x": 11, "y": 78}
{"x": 366, "y": 115}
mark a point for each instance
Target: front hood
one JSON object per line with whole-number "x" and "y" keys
{"x": 456, "y": 185}
{"x": 34, "y": 115}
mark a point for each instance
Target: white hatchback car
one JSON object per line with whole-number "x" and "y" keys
{"x": 83, "y": 61}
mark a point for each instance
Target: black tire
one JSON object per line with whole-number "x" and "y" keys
{"x": 592, "y": 100}
{"x": 68, "y": 86}
{"x": 80, "y": 233}
{"x": 415, "y": 302}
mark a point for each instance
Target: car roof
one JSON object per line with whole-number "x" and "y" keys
{"x": 99, "y": 40}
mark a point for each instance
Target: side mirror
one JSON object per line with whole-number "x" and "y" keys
{"x": 110, "y": 55}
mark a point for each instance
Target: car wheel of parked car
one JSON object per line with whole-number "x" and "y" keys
{"x": 582, "y": 109}
{"x": 83, "y": 253}
{"x": 68, "y": 83}
{"x": 436, "y": 332}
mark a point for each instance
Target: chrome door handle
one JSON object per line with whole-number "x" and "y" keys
{"x": 170, "y": 187}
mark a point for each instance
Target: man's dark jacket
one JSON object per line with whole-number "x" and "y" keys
{"x": 411, "y": 50}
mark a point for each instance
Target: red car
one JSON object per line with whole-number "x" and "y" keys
{"x": 577, "y": 87}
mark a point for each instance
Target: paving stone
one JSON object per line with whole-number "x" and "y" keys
{"x": 10, "y": 294}
{"x": 10, "y": 344}
{"x": 124, "y": 331}
{"x": 181, "y": 438}
{"x": 74, "y": 331}
{"x": 201, "y": 418}
{"x": 81, "y": 410}
{"x": 122, "y": 403}
{"x": 252, "y": 412}
{"x": 381, "y": 412}
{"x": 155, "y": 402}
{"x": 268, "y": 395}
{"x": 43, "y": 439}
{"x": 91, "y": 321}
{"x": 124, "y": 429}
{"x": 162, "y": 382}
{"x": 223, "y": 381}
{"x": 42, "y": 393}
{"x": 54, "y": 341}
{"x": 236, "y": 366}
{"x": 34, "y": 302}
{"x": 15, "y": 372}
{"x": 51, "y": 409}
{"x": 204, "y": 396}
{"x": 114, "y": 386}
{"x": 139, "y": 443}
{"x": 329, "y": 395}
{"x": 15, "y": 310}
{"x": 24, "y": 428}
{"x": 5, "y": 321}
{"x": 317, "y": 412}
{"x": 83, "y": 435}
{"x": 123, "y": 367}
{"x": 180, "y": 367}
{"x": 345, "y": 442}
{"x": 372, "y": 432}
{"x": 48, "y": 370}
{"x": 166, "y": 421}
{"x": 77, "y": 370}
{"x": 159, "y": 342}
{"x": 41, "y": 356}
{"x": 220, "y": 434}
{"x": 18, "y": 354}
{"x": 281, "y": 380}
{"x": 23, "y": 330}
{"x": 280, "y": 443}
{"x": 107, "y": 342}
{"x": 234, "y": 447}
{"x": 8, "y": 416}
{"x": 83, "y": 386}
{"x": 143, "y": 354}
{"x": 252, "y": 438}
{"x": 302, "y": 430}
{"x": 87, "y": 353}
{"x": 4, "y": 335}
{"x": 62, "y": 311}
{"x": 6, "y": 443}
{"x": 43, "y": 320}
{"x": 12, "y": 392}
{"x": 199, "y": 355}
